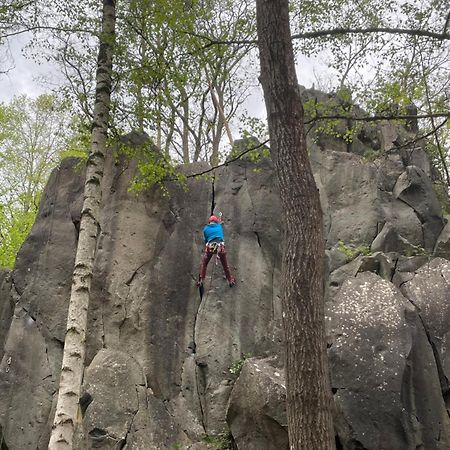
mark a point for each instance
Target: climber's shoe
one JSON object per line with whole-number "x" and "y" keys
{"x": 232, "y": 282}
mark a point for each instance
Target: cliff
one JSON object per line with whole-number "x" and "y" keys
{"x": 158, "y": 359}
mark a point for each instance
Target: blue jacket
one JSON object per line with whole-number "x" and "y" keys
{"x": 213, "y": 231}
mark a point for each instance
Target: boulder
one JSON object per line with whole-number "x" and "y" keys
{"x": 26, "y": 385}
{"x": 389, "y": 240}
{"x": 442, "y": 247}
{"x": 429, "y": 291}
{"x": 375, "y": 338}
{"x": 389, "y": 136}
{"x": 415, "y": 189}
{"x": 257, "y": 411}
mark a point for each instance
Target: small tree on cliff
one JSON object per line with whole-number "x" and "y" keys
{"x": 308, "y": 391}
{"x": 74, "y": 347}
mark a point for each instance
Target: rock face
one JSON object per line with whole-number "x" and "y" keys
{"x": 257, "y": 415}
{"x": 158, "y": 360}
{"x": 384, "y": 373}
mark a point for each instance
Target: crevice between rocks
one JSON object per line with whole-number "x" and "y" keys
{"x": 13, "y": 286}
{"x": 123, "y": 442}
{"x": 444, "y": 382}
{"x": 3, "y": 445}
{"x": 394, "y": 271}
{"x": 257, "y": 238}
{"x": 201, "y": 367}
{"x": 193, "y": 346}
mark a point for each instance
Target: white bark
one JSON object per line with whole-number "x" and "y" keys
{"x": 67, "y": 409}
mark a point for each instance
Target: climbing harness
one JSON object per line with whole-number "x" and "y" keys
{"x": 215, "y": 247}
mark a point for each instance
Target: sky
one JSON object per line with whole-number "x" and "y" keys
{"x": 25, "y": 77}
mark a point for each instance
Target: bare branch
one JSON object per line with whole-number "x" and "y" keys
{"x": 423, "y": 136}
{"x": 378, "y": 118}
{"x": 447, "y": 21}
{"x": 444, "y": 36}
{"x": 386, "y": 30}
{"x": 229, "y": 161}
{"x": 45, "y": 28}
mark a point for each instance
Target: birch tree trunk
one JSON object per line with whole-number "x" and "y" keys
{"x": 308, "y": 390}
{"x": 71, "y": 377}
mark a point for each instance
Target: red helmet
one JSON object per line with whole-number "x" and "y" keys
{"x": 214, "y": 219}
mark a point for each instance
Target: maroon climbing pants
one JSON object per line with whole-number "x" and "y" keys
{"x": 215, "y": 248}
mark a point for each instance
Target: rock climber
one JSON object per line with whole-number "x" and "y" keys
{"x": 214, "y": 244}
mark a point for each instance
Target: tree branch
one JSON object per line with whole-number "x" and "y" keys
{"x": 423, "y": 136}
{"x": 386, "y": 30}
{"x": 447, "y": 21}
{"x": 45, "y": 28}
{"x": 378, "y": 118}
{"x": 444, "y": 36}
{"x": 229, "y": 161}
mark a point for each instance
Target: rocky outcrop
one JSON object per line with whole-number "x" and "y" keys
{"x": 256, "y": 413}
{"x": 158, "y": 359}
{"x": 384, "y": 373}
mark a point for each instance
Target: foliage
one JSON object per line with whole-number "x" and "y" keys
{"x": 153, "y": 167}
{"x": 387, "y": 72}
{"x": 34, "y": 133}
{"x": 352, "y": 252}
{"x": 15, "y": 224}
{"x": 416, "y": 250}
{"x": 251, "y": 149}
{"x": 164, "y": 75}
{"x": 222, "y": 441}
{"x": 371, "y": 154}
{"x": 337, "y": 104}
{"x": 236, "y": 367}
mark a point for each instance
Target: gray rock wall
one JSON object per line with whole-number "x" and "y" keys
{"x": 158, "y": 359}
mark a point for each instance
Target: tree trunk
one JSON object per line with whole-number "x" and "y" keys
{"x": 308, "y": 390}
{"x": 185, "y": 137}
{"x": 71, "y": 377}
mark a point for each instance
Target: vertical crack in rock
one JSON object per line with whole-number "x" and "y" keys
{"x": 103, "y": 327}
{"x": 123, "y": 442}
{"x": 197, "y": 368}
{"x": 30, "y": 316}
{"x": 125, "y": 316}
{"x": 193, "y": 346}
{"x": 3, "y": 445}
{"x": 444, "y": 382}
{"x": 76, "y": 224}
{"x": 16, "y": 290}
{"x": 418, "y": 217}
{"x": 257, "y": 238}
{"x": 272, "y": 303}
{"x": 394, "y": 270}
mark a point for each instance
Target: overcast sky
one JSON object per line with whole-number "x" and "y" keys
{"x": 25, "y": 77}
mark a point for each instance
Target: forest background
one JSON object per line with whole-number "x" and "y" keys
{"x": 185, "y": 70}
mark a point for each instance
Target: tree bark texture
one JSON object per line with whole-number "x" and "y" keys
{"x": 308, "y": 387}
{"x": 71, "y": 377}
